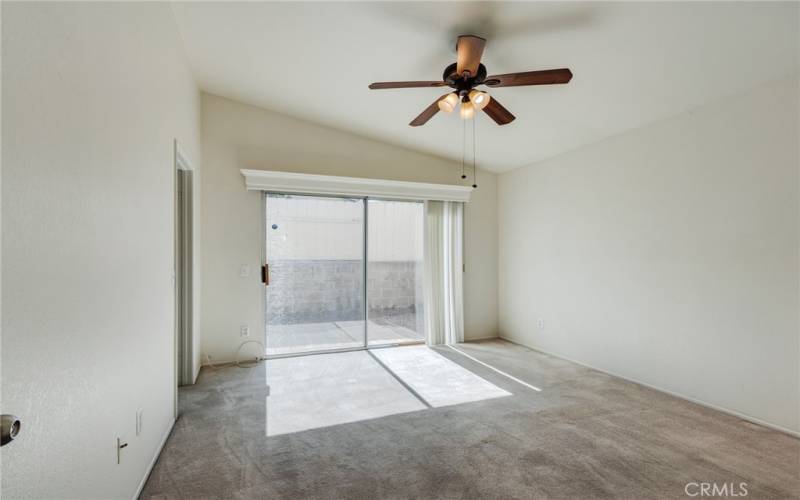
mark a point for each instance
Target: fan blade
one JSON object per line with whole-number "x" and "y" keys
{"x": 427, "y": 114}
{"x": 546, "y": 77}
{"x": 404, "y": 85}
{"x": 498, "y": 113}
{"x": 470, "y": 50}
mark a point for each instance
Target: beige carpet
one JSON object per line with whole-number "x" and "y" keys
{"x": 585, "y": 435}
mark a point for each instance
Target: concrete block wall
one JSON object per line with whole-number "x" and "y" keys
{"x": 394, "y": 293}
{"x": 310, "y": 291}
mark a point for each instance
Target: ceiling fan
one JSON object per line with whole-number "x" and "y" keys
{"x": 466, "y": 74}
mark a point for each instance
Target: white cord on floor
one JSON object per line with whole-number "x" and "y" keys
{"x": 257, "y": 359}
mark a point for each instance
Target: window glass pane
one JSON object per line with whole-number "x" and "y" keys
{"x": 315, "y": 252}
{"x": 395, "y": 272}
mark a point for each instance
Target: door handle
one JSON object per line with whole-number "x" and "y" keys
{"x": 9, "y": 428}
{"x": 265, "y": 274}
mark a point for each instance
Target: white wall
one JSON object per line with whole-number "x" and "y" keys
{"x": 93, "y": 96}
{"x": 239, "y": 136}
{"x": 668, "y": 255}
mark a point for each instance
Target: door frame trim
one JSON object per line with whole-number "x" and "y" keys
{"x": 181, "y": 162}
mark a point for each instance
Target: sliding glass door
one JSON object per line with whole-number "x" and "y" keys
{"x": 343, "y": 273}
{"x": 315, "y": 259}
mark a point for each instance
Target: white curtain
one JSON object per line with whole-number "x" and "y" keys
{"x": 444, "y": 265}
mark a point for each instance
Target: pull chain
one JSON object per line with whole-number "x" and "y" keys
{"x": 463, "y": 147}
{"x": 474, "y": 161}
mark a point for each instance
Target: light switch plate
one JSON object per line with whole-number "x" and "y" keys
{"x": 244, "y": 271}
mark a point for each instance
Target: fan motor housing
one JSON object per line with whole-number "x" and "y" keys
{"x": 461, "y": 84}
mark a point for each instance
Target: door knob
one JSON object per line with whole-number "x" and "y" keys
{"x": 9, "y": 428}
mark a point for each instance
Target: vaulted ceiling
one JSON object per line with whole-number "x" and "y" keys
{"x": 633, "y": 63}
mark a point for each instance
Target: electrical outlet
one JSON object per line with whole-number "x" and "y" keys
{"x": 540, "y": 323}
{"x": 139, "y": 421}
{"x": 244, "y": 331}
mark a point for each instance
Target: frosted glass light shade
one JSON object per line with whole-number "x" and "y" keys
{"x": 479, "y": 99}
{"x": 467, "y": 110}
{"x": 448, "y": 103}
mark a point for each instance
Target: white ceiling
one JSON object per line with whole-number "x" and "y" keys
{"x": 634, "y": 63}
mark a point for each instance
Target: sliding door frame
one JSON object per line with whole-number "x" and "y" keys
{"x": 365, "y": 260}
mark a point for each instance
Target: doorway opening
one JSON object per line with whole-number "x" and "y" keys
{"x": 184, "y": 264}
{"x": 342, "y": 273}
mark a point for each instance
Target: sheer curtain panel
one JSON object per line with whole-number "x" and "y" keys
{"x": 444, "y": 267}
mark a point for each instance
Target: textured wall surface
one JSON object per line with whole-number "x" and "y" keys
{"x": 668, "y": 255}
{"x": 94, "y": 95}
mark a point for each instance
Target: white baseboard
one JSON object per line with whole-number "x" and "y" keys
{"x": 734, "y": 413}
{"x": 154, "y": 460}
{"x": 489, "y": 337}
{"x": 197, "y": 372}
{"x": 216, "y": 363}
